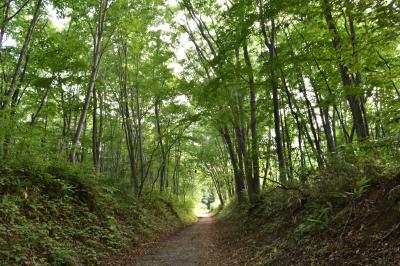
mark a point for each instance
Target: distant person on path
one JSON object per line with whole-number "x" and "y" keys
{"x": 208, "y": 199}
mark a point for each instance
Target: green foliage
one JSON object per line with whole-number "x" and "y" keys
{"x": 61, "y": 216}
{"x": 234, "y": 210}
{"x": 357, "y": 191}
{"x": 317, "y": 218}
{"x": 360, "y": 187}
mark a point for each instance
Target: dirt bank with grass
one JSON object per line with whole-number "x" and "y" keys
{"x": 61, "y": 215}
{"x": 294, "y": 227}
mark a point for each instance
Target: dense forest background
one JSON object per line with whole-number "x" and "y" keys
{"x": 130, "y": 100}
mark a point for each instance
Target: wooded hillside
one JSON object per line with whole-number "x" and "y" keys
{"x": 113, "y": 109}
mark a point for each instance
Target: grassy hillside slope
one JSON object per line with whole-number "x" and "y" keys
{"x": 62, "y": 215}
{"x": 349, "y": 216}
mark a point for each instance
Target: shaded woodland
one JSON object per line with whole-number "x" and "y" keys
{"x": 141, "y": 105}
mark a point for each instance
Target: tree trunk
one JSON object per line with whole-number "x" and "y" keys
{"x": 139, "y": 124}
{"x": 126, "y": 115}
{"x": 355, "y": 99}
{"x": 255, "y": 179}
{"x": 269, "y": 42}
{"x": 239, "y": 182}
{"x": 97, "y": 54}
{"x": 22, "y": 57}
{"x": 42, "y": 103}
{"x": 324, "y": 114}
{"x": 314, "y": 127}
{"x": 97, "y": 129}
{"x": 287, "y": 140}
{"x": 160, "y": 141}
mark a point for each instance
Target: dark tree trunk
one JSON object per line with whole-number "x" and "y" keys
{"x": 161, "y": 143}
{"x": 126, "y": 115}
{"x": 287, "y": 140}
{"x": 239, "y": 182}
{"x": 139, "y": 125}
{"x": 97, "y": 129}
{"x": 324, "y": 112}
{"x": 313, "y": 126}
{"x": 355, "y": 99}
{"x": 42, "y": 103}
{"x": 269, "y": 40}
{"x": 254, "y": 188}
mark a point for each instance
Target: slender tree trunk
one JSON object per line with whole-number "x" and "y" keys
{"x": 255, "y": 179}
{"x": 22, "y": 57}
{"x": 96, "y": 130}
{"x": 83, "y": 147}
{"x": 341, "y": 120}
{"x": 324, "y": 114}
{"x": 14, "y": 104}
{"x": 97, "y": 54}
{"x": 4, "y": 22}
{"x": 245, "y": 168}
{"x": 244, "y": 163}
{"x": 357, "y": 75}
{"x": 269, "y": 40}
{"x": 42, "y": 103}
{"x": 217, "y": 185}
{"x": 288, "y": 141}
{"x": 162, "y": 148}
{"x": 129, "y": 137}
{"x": 239, "y": 182}
{"x": 355, "y": 99}
{"x": 126, "y": 115}
{"x": 139, "y": 124}
{"x": 175, "y": 175}
{"x": 297, "y": 118}
{"x": 5, "y": 10}
{"x": 311, "y": 119}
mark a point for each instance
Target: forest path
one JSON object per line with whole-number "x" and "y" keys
{"x": 191, "y": 246}
{"x": 210, "y": 241}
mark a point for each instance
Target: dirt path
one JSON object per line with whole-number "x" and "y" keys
{"x": 191, "y": 246}
{"x": 210, "y": 241}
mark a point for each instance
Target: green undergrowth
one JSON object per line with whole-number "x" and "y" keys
{"x": 349, "y": 212}
{"x": 60, "y": 215}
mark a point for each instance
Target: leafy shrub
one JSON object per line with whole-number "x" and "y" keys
{"x": 317, "y": 218}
